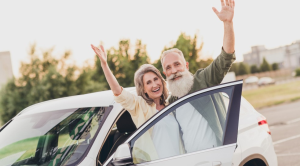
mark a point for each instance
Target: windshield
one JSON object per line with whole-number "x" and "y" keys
{"x": 51, "y": 138}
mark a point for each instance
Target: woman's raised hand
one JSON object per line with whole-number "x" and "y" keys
{"x": 111, "y": 79}
{"x": 100, "y": 53}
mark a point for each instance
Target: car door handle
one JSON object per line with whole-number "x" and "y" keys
{"x": 216, "y": 163}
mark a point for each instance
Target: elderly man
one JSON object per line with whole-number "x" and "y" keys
{"x": 177, "y": 72}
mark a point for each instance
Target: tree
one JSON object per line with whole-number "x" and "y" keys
{"x": 122, "y": 64}
{"x": 275, "y": 66}
{"x": 254, "y": 69}
{"x": 44, "y": 78}
{"x": 140, "y": 56}
{"x": 297, "y": 71}
{"x": 191, "y": 52}
{"x": 85, "y": 83}
{"x": 265, "y": 66}
{"x": 239, "y": 68}
{"x": 11, "y": 100}
{"x": 158, "y": 65}
{"x": 235, "y": 68}
{"x": 243, "y": 69}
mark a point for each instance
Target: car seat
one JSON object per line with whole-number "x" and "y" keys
{"x": 125, "y": 127}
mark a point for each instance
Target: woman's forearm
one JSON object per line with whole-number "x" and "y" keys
{"x": 111, "y": 79}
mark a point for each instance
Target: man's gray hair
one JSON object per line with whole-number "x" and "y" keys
{"x": 139, "y": 85}
{"x": 176, "y": 50}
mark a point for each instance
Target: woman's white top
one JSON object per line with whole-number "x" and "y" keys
{"x": 165, "y": 136}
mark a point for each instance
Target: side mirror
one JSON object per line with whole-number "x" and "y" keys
{"x": 122, "y": 156}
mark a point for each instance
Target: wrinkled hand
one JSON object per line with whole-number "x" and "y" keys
{"x": 100, "y": 53}
{"x": 227, "y": 11}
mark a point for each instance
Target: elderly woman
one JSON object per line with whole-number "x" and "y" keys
{"x": 163, "y": 139}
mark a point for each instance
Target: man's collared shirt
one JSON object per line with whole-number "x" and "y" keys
{"x": 197, "y": 135}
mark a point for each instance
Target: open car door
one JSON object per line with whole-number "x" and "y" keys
{"x": 198, "y": 129}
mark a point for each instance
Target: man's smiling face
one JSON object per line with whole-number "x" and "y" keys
{"x": 174, "y": 63}
{"x": 180, "y": 80}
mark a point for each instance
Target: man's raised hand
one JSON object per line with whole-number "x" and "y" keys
{"x": 227, "y": 11}
{"x": 100, "y": 53}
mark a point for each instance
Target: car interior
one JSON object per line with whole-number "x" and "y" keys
{"x": 48, "y": 149}
{"x": 122, "y": 129}
{"x": 83, "y": 145}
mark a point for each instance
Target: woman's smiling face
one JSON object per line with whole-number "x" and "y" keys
{"x": 152, "y": 85}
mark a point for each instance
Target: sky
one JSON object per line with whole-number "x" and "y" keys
{"x": 74, "y": 25}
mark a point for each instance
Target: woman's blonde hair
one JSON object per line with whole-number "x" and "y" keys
{"x": 139, "y": 85}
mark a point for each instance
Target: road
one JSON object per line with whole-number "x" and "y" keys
{"x": 284, "y": 123}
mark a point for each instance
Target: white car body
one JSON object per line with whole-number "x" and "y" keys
{"x": 265, "y": 81}
{"x": 251, "y": 80}
{"x": 254, "y": 142}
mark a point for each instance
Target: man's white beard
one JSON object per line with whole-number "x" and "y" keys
{"x": 181, "y": 86}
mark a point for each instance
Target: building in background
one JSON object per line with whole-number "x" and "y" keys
{"x": 287, "y": 57}
{"x": 5, "y": 67}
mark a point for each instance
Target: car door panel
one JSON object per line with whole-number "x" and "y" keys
{"x": 214, "y": 156}
{"x": 208, "y": 157}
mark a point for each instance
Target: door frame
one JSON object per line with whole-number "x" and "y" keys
{"x": 229, "y": 124}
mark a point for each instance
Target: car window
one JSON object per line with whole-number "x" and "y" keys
{"x": 51, "y": 138}
{"x": 120, "y": 131}
{"x": 225, "y": 100}
{"x": 195, "y": 124}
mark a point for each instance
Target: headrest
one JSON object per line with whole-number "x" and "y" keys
{"x": 125, "y": 123}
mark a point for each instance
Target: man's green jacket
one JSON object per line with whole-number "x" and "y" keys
{"x": 212, "y": 107}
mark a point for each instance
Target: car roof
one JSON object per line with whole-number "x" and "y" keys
{"x": 97, "y": 99}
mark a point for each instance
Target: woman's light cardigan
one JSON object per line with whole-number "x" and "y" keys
{"x": 138, "y": 108}
{"x": 140, "y": 111}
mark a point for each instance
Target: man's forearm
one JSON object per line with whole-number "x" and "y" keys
{"x": 229, "y": 39}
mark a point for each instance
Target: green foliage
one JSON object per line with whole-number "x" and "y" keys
{"x": 254, "y": 69}
{"x": 191, "y": 52}
{"x": 235, "y": 68}
{"x": 44, "y": 78}
{"x": 188, "y": 46}
{"x": 243, "y": 69}
{"x": 265, "y": 66}
{"x": 12, "y": 100}
{"x": 297, "y": 72}
{"x": 158, "y": 65}
{"x": 240, "y": 68}
{"x": 85, "y": 83}
{"x": 275, "y": 66}
{"x": 122, "y": 64}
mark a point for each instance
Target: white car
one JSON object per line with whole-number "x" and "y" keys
{"x": 251, "y": 80}
{"x": 265, "y": 81}
{"x": 94, "y": 130}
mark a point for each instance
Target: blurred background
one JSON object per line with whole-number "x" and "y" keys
{"x": 45, "y": 51}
